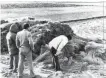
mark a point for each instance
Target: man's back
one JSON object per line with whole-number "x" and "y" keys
{"x": 58, "y": 42}
{"x": 22, "y": 39}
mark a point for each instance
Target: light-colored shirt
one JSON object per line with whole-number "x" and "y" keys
{"x": 58, "y": 42}
{"x": 24, "y": 39}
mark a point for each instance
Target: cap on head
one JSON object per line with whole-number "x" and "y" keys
{"x": 25, "y": 26}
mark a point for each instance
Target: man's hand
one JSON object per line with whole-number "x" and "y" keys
{"x": 58, "y": 53}
{"x": 47, "y": 46}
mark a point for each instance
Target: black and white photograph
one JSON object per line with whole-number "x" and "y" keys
{"x": 52, "y": 39}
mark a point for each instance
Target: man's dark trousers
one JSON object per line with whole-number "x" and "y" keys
{"x": 14, "y": 61}
{"x": 55, "y": 60}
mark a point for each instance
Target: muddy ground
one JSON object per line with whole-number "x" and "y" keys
{"x": 89, "y": 29}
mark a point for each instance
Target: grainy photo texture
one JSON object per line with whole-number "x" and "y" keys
{"x": 53, "y": 39}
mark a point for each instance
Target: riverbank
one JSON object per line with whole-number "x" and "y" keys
{"x": 93, "y": 29}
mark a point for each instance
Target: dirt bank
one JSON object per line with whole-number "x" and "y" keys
{"x": 92, "y": 29}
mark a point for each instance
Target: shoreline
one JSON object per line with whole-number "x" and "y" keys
{"x": 83, "y": 19}
{"x": 9, "y": 20}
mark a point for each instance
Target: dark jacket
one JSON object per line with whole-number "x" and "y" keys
{"x": 11, "y": 37}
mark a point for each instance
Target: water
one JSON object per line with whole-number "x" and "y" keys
{"x": 54, "y": 13}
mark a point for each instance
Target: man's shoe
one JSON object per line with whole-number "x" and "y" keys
{"x": 59, "y": 69}
{"x": 37, "y": 76}
{"x": 34, "y": 77}
{"x": 10, "y": 67}
{"x": 20, "y": 77}
{"x": 15, "y": 71}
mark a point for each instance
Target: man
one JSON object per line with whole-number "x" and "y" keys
{"x": 56, "y": 45}
{"x": 13, "y": 50}
{"x": 25, "y": 45}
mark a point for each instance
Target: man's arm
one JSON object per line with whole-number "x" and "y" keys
{"x": 13, "y": 38}
{"x": 47, "y": 46}
{"x": 9, "y": 41}
{"x": 17, "y": 42}
{"x": 30, "y": 41}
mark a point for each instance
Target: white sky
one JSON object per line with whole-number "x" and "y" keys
{"x": 13, "y": 1}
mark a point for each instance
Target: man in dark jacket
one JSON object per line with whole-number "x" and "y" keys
{"x": 13, "y": 50}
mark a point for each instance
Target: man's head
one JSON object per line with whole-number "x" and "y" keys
{"x": 25, "y": 26}
{"x": 19, "y": 26}
{"x": 14, "y": 28}
{"x": 69, "y": 37}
